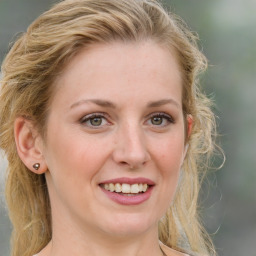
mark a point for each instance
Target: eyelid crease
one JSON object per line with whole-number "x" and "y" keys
{"x": 164, "y": 115}
{"x": 166, "y": 121}
{"x": 91, "y": 116}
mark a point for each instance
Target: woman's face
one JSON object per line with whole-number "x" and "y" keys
{"x": 115, "y": 139}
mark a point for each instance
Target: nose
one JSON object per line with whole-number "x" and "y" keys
{"x": 131, "y": 148}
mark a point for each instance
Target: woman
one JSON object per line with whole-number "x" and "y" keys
{"x": 106, "y": 132}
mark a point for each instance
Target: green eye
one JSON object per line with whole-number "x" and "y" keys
{"x": 156, "y": 120}
{"x": 160, "y": 120}
{"x": 96, "y": 121}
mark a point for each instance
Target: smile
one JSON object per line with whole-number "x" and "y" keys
{"x": 126, "y": 189}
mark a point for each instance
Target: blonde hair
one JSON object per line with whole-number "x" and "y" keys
{"x": 29, "y": 71}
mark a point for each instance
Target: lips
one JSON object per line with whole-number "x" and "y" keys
{"x": 127, "y": 191}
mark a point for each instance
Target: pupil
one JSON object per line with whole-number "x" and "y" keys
{"x": 96, "y": 121}
{"x": 157, "y": 120}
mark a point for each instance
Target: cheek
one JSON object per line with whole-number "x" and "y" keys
{"x": 74, "y": 155}
{"x": 169, "y": 162}
{"x": 73, "y": 165}
{"x": 169, "y": 165}
{"x": 170, "y": 154}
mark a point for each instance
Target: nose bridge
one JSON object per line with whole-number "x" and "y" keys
{"x": 131, "y": 148}
{"x": 133, "y": 138}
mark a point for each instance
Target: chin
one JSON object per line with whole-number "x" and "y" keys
{"x": 130, "y": 225}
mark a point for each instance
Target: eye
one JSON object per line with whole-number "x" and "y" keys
{"x": 95, "y": 120}
{"x": 160, "y": 119}
{"x": 157, "y": 120}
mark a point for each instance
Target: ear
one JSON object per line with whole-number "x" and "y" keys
{"x": 189, "y": 131}
{"x": 189, "y": 125}
{"x": 29, "y": 145}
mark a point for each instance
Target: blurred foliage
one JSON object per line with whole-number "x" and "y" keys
{"x": 228, "y": 38}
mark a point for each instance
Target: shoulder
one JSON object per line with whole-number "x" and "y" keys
{"x": 171, "y": 252}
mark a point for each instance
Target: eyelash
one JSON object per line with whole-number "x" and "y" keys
{"x": 162, "y": 115}
{"x": 90, "y": 117}
{"x": 103, "y": 116}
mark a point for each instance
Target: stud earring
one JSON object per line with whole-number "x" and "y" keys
{"x": 36, "y": 166}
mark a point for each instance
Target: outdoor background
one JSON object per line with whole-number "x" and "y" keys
{"x": 227, "y": 29}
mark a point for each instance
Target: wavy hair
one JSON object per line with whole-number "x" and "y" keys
{"x": 29, "y": 70}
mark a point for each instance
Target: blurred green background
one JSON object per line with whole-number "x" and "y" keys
{"x": 227, "y": 29}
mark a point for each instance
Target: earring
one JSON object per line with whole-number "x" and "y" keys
{"x": 36, "y": 166}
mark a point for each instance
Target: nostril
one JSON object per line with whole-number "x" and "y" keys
{"x": 130, "y": 166}
{"x": 125, "y": 164}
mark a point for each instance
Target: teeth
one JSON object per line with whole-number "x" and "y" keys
{"x": 135, "y": 188}
{"x": 111, "y": 187}
{"x": 126, "y": 188}
{"x": 118, "y": 188}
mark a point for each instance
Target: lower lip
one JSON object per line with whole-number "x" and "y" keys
{"x": 129, "y": 200}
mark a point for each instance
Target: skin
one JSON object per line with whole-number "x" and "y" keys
{"x": 135, "y": 91}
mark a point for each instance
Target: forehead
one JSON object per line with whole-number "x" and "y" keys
{"x": 126, "y": 54}
{"x": 102, "y": 68}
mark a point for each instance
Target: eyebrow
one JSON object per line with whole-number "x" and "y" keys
{"x": 162, "y": 102}
{"x": 105, "y": 103}
{"x": 102, "y": 103}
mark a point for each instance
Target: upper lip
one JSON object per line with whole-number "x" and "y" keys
{"x": 129, "y": 181}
